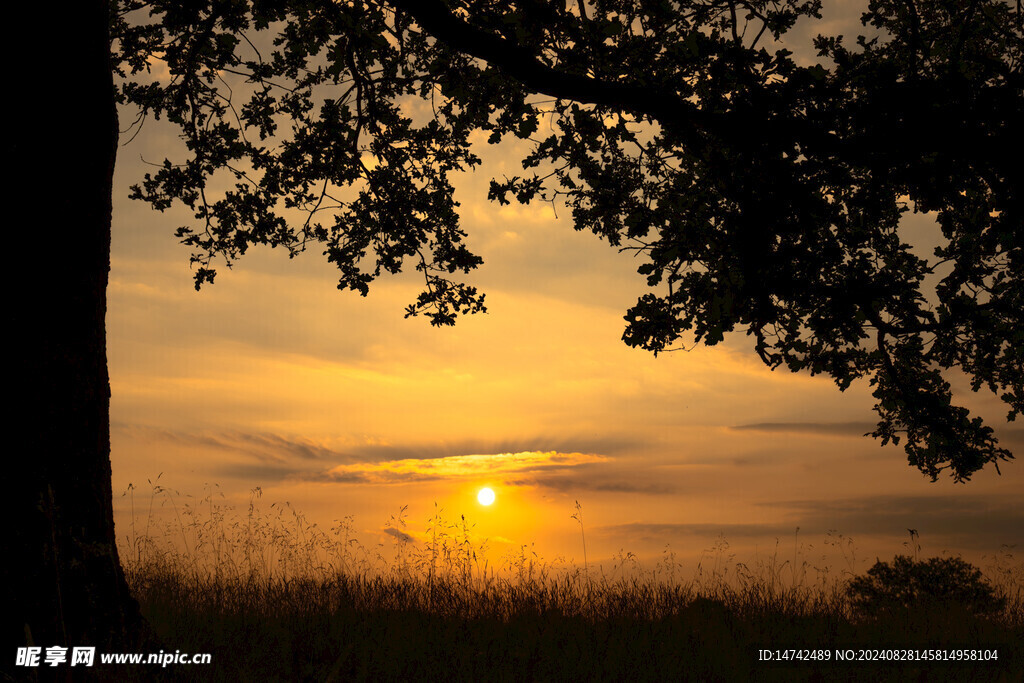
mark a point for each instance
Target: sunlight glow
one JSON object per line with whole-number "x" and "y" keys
{"x": 485, "y": 497}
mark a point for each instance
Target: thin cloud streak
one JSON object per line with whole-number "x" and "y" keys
{"x": 666, "y": 532}
{"x": 397, "y": 534}
{"x": 264, "y": 446}
{"x": 280, "y": 448}
{"x": 822, "y": 428}
{"x": 610, "y": 445}
{"x": 586, "y": 479}
{"x": 262, "y": 474}
{"x": 458, "y": 467}
{"x": 969, "y": 521}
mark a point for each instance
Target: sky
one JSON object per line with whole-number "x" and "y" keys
{"x": 274, "y": 378}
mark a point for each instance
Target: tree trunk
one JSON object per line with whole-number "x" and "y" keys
{"x": 64, "y": 580}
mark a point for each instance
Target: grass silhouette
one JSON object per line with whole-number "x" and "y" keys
{"x": 275, "y": 597}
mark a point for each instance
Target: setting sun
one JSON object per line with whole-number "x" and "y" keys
{"x": 485, "y": 497}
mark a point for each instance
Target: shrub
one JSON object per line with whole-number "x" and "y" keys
{"x": 908, "y": 585}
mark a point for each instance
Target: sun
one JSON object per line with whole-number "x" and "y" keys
{"x": 485, "y": 497}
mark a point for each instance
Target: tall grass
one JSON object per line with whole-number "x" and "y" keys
{"x": 276, "y": 597}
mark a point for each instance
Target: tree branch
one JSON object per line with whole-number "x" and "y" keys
{"x": 522, "y": 64}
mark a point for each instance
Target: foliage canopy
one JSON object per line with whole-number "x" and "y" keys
{"x": 763, "y": 194}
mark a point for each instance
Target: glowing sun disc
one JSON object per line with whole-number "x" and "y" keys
{"x": 485, "y": 497}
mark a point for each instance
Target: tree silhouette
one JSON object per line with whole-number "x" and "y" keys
{"x": 908, "y": 587}
{"x": 62, "y": 580}
{"x": 762, "y": 194}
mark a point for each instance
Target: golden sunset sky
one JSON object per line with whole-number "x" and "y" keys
{"x": 274, "y": 378}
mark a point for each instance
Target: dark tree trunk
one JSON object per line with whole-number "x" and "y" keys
{"x": 64, "y": 580}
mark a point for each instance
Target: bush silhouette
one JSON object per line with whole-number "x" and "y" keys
{"x": 922, "y": 586}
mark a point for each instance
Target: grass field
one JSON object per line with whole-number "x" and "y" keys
{"x": 273, "y": 597}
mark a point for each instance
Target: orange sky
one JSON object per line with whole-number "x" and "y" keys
{"x": 274, "y": 378}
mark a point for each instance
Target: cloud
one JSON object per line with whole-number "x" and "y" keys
{"x": 457, "y": 466}
{"x": 279, "y": 448}
{"x": 1011, "y": 435}
{"x": 258, "y": 472}
{"x": 663, "y": 533}
{"x": 589, "y": 478}
{"x": 397, "y": 534}
{"x": 275, "y": 457}
{"x": 970, "y": 521}
{"x": 567, "y": 484}
{"x": 609, "y": 445}
{"x": 823, "y": 428}
{"x": 264, "y": 446}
